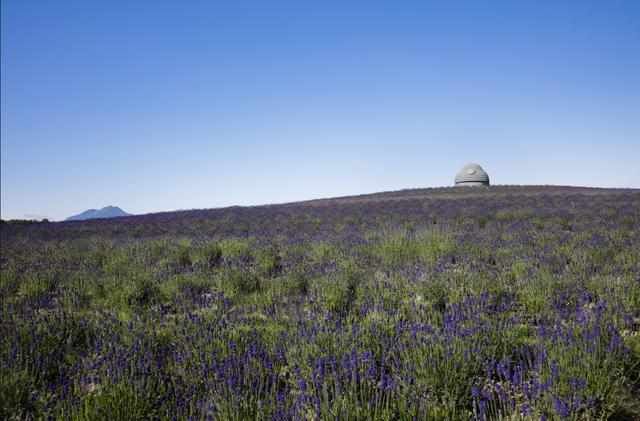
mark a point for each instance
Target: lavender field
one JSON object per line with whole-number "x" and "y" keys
{"x": 430, "y": 304}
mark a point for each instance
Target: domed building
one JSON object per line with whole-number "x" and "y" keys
{"x": 472, "y": 175}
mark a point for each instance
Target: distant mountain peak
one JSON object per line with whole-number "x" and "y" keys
{"x": 106, "y": 212}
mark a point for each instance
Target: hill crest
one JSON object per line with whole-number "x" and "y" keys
{"x": 106, "y": 212}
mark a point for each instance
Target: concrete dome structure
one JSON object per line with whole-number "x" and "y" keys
{"x": 472, "y": 175}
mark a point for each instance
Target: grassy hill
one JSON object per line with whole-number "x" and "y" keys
{"x": 515, "y": 302}
{"x": 322, "y": 217}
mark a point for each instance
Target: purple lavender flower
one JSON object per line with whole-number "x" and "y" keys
{"x": 561, "y": 407}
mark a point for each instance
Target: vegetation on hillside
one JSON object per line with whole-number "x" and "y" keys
{"x": 507, "y": 303}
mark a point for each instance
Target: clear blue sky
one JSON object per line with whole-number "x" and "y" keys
{"x": 157, "y": 105}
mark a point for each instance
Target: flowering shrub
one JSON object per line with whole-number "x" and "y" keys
{"x": 457, "y": 304}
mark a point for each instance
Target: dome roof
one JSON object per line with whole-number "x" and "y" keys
{"x": 472, "y": 175}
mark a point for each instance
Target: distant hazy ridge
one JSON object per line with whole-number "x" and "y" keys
{"x": 106, "y": 212}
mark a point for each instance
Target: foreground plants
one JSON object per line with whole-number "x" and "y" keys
{"x": 484, "y": 307}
